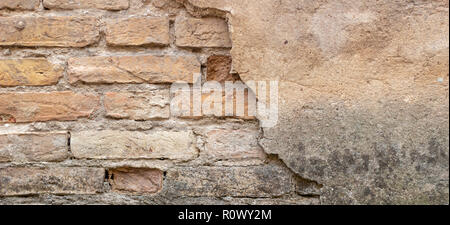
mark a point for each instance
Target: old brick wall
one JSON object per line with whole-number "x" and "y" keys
{"x": 85, "y": 100}
{"x": 85, "y": 110}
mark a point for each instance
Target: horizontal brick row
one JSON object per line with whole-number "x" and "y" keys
{"x": 65, "y": 4}
{"x": 220, "y": 144}
{"x": 23, "y": 107}
{"x": 22, "y": 181}
{"x": 100, "y": 70}
{"x": 107, "y": 144}
{"x": 71, "y": 31}
{"x": 133, "y": 69}
{"x": 257, "y": 181}
{"x": 114, "y": 69}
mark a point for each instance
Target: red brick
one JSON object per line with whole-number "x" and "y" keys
{"x": 31, "y": 107}
{"x": 219, "y": 68}
{"x": 28, "y": 72}
{"x": 132, "y": 180}
{"x": 133, "y": 69}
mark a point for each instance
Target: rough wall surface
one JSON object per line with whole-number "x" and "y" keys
{"x": 363, "y": 102}
{"x": 363, "y": 92}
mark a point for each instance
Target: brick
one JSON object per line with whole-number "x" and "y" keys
{"x": 48, "y": 31}
{"x": 258, "y": 181}
{"x": 219, "y": 68}
{"x": 135, "y": 180}
{"x": 86, "y": 4}
{"x": 209, "y": 97}
{"x": 34, "y": 147}
{"x": 138, "y": 31}
{"x": 204, "y": 32}
{"x": 233, "y": 144}
{"x": 108, "y": 144}
{"x": 28, "y": 72}
{"x": 19, "y": 4}
{"x": 15, "y": 181}
{"x": 33, "y": 106}
{"x": 138, "y": 106}
{"x": 133, "y": 69}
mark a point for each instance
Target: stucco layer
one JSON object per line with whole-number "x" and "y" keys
{"x": 363, "y": 91}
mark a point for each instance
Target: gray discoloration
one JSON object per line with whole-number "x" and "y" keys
{"x": 360, "y": 111}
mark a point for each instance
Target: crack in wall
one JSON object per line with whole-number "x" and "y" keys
{"x": 304, "y": 187}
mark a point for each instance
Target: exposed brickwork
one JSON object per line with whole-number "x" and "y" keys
{"x": 29, "y": 72}
{"x": 138, "y": 106}
{"x": 226, "y": 144}
{"x": 86, "y": 4}
{"x": 34, "y": 147}
{"x": 133, "y": 145}
{"x": 19, "y": 4}
{"x": 205, "y": 32}
{"x": 224, "y": 99}
{"x": 48, "y": 31}
{"x": 86, "y": 114}
{"x": 142, "y": 181}
{"x": 219, "y": 69}
{"x": 259, "y": 181}
{"x": 133, "y": 69}
{"x": 138, "y": 31}
{"x": 62, "y": 180}
{"x": 31, "y": 107}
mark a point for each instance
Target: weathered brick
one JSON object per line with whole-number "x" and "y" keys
{"x": 59, "y": 180}
{"x": 108, "y": 144}
{"x": 248, "y": 106}
{"x": 48, "y": 31}
{"x": 138, "y": 105}
{"x": 33, "y": 106}
{"x": 34, "y": 147}
{"x": 86, "y": 4}
{"x": 138, "y": 31}
{"x": 19, "y": 4}
{"x": 136, "y": 180}
{"x": 204, "y": 32}
{"x": 258, "y": 181}
{"x": 219, "y": 68}
{"x": 28, "y": 72}
{"x": 228, "y": 144}
{"x": 133, "y": 69}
